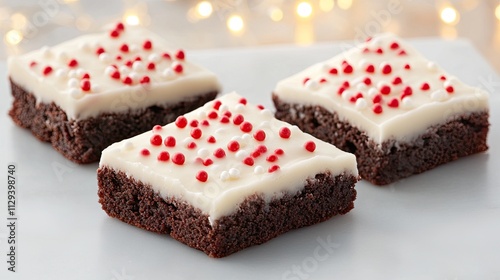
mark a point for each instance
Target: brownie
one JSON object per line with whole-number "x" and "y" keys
{"x": 84, "y": 94}
{"x": 255, "y": 222}
{"x": 224, "y": 177}
{"x": 399, "y": 113}
{"x": 82, "y": 141}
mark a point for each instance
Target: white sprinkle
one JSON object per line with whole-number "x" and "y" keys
{"x": 72, "y": 74}
{"x": 109, "y": 70}
{"x": 61, "y": 73}
{"x": 361, "y": 104}
{"x": 46, "y": 52}
{"x": 312, "y": 85}
{"x": 75, "y": 93}
{"x": 236, "y": 138}
{"x": 450, "y": 82}
{"x": 407, "y": 103}
{"x": 234, "y": 173}
{"x": 239, "y": 107}
{"x": 220, "y": 131}
{"x": 84, "y": 46}
{"x": 138, "y": 66}
{"x": 325, "y": 67}
{"x": 63, "y": 56}
{"x": 203, "y": 153}
{"x": 431, "y": 66}
{"x": 372, "y": 92}
{"x": 246, "y": 137}
{"x": 133, "y": 48}
{"x": 241, "y": 154}
{"x": 361, "y": 86}
{"x": 267, "y": 113}
{"x": 127, "y": 145}
{"x": 202, "y": 114}
{"x": 168, "y": 74}
{"x": 80, "y": 72}
{"x": 363, "y": 63}
{"x": 439, "y": 95}
{"x": 224, "y": 176}
{"x": 96, "y": 88}
{"x": 154, "y": 58}
{"x": 187, "y": 140}
{"x": 258, "y": 169}
{"x": 223, "y": 108}
{"x": 346, "y": 95}
{"x": 380, "y": 84}
{"x": 104, "y": 57}
{"x": 124, "y": 70}
{"x": 73, "y": 83}
{"x": 134, "y": 76}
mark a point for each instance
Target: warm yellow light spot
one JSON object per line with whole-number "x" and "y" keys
{"x": 18, "y": 20}
{"x": 235, "y": 23}
{"x": 13, "y": 37}
{"x": 326, "y": 5}
{"x": 276, "y": 14}
{"x": 497, "y": 12}
{"x": 204, "y": 9}
{"x": 70, "y": 1}
{"x": 449, "y": 15}
{"x": 132, "y": 19}
{"x": 344, "y": 4}
{"x": 304, "y": 9}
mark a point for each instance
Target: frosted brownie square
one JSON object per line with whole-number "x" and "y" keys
{"x": 398, "y": 112}
{"x": 86, "y": 93}
{"x": 225, "y": 177}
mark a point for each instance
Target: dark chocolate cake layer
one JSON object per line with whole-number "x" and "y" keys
{"x": 386, "y": 163}
{"x": 82, "y": 141}
{"x": 255, "y": 222}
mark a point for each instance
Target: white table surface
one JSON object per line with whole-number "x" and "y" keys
{"x": 443, "y": 224}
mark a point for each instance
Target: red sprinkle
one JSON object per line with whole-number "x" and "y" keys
{"x": 310, "y": 146}
{"x": 402, "y": 52}
{"x": 406, "y": 92}
{"x": 86, "y": 76}
{"x": 208, "y": 162}
{"x": 279, "y": 152}
{"x": 196, "y": 133}
{"x": 219, "y": 153}
{"x": 145, "y": 80}
{"x": 156, "y": 140}
{"x": 213, "y": 115}
{"x": 273, "y": 168}
{"x": 194, "y": 123}
{"x": 233, "y": 146}
{"x": 248, "y": 161}
{"x": 347, "y": 68}
{"x": 178, "y": 159}
{"x": 394, "y": 45}
{"x": 380, "y": 51}
{"x": 246, "y": 127}
{"x": 261, "y": 107}
{"x": 120, "y": 26}
{"x": 191, "y": 145}
{"x": 450, "y": 89}
{"x": 124, "y": 48}
{"x": 127, "y": 80}
{"x": 166, "y": 56}
{"x": 243, "y": 101}
{"x": 181, "y": 122}
{"x": 157, "y": 128}
{"x": 407, "y": 66}
{"x": 397, "y": 81}
{"x": 367, "y": 81}
{"x": 147, "y": 45}
{"x": 333, "y": 71}
{"x": 425, "y": 86}
{"x": 217, "y": 104}
{"x": 227, "y": 114}
{"x": 169, "y": 141}
{"x": 394, "y": 103}
{"x": 260, "y": 135}
{"x": 145, "y": 152}
{"x": 178, "y": 68}
{"x": 211, "y": 139}
{"x": 114, "y": 33}
{"x": 285, "y": 132}
{"x": 180, "y": 55}
{"x": 377, "y": 98}
{"x": 47, "y": 70}
{"x": 115, "y": 75}
{"x": 386, "y": 69}
{"x": 72, "y": 63}
{"x": 442, "y": 78}
{"x": 202, "y": 176}
{"x": 323, "y": 80}
{"x": 346, "y": 84}
{"x": 370, "y": 68}
{"x": 377, "y": 108}
{"x": 306, "y": 80}
{"x": 262, "y": 149}
{"x": 99, "y": 50}
{"x": 129, "y": 63}
{"x": 85, "y": 85}
{"x": 272, "y": 158}
{"x": 163, "y": 156}
{"x": 33, "y": 64}
{"x": 341, "y": 90}
{"x": 385, "y": 90}
{"x": 224, "y": 119}
{"x": 238, "y": 119}
{"x": 205, "y": 123}
{"x": 151, "y": 66}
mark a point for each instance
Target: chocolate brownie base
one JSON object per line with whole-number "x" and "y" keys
{"x": 255, "y": 222}
{"x": 82, "y": 141}
{"x": 383, "y": 164}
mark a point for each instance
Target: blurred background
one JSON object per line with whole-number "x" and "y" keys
{"x": 195, "y": 24}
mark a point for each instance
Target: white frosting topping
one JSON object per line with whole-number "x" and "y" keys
{"x": 127, "y": 68}
{"x": 230, "y": 155}
{"x": 385, "y": 88}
